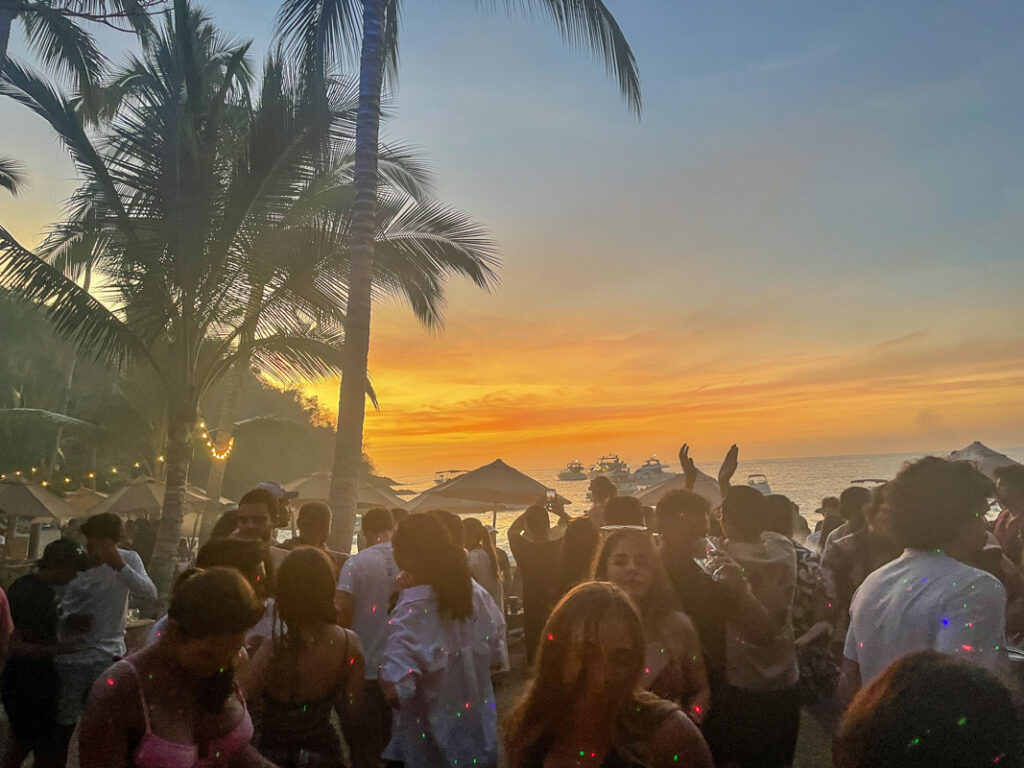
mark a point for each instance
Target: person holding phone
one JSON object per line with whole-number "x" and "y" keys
{"x": 537, "y": 550}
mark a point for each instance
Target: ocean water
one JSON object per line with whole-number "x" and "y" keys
{"x": 804, "y": 480}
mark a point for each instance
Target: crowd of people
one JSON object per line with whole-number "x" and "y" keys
{"x": 678, "y": 635}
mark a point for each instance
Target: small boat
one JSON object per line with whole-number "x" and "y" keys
{"x": 651, "y": 472}
{"x": 607, "y": 466}
{"x": 759, "y": 482}
{"x": 447, "y": 475}
{"x": 573, "y": 471}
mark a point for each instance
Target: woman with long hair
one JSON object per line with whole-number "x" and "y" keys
{"x": 175, "y": 702}
{"x": 673, "y": 663}
{"x": 310, "y": 667}
{"x": 447, "y": 635}
{"x": 483, "y": 560}
{"x": 585, "y": 706}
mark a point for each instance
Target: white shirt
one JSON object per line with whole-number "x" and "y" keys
{"x": 102, "y": 594}
{"x": 482, "y": 570}
{"x": 925, "y": 600}
{"x": 441, "y": 670}
{"x": 368, "y": 576}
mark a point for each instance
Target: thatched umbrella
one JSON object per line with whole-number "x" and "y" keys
{"x": 84, "y": 499}
{"x": 705, "y": 486}
{"x": 22, "y": 500}
{"x": 315, "y": 487}
{"x": 496, "y": 485}
{"x": 983, "y": 457}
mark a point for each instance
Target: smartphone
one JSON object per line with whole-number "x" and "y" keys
{"x": 549, "y": 497}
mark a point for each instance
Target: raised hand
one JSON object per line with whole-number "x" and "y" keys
{"x": 689, "y": 468}
{"x": 728, "y": 468}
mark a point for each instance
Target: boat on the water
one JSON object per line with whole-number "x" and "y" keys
{"x": 759, "y": 482}
{"x": 574, "y": 470}
{"x": 651, "y": 472}
{"x": 609, "y": 466}
{"x": 447, "y": 475}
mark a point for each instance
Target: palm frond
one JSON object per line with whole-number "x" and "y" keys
{"x": 320, "y": 33}
{"x": 65, "y": 47}
{"x": 76, "y": 315}
{"x": 35, "y": 416}
{"x": 12, "y": 175}
{"x": 588, "y": 25}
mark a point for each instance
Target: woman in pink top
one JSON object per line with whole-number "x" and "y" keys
{"x": 175, "y": 704}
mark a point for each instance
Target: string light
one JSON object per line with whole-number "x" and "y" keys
{"x": 220, "y": 455}
{"x": 160, "y": 459}
{"x": 44, "y": 483}
{"x": 18, "y": 473}
{"x": 67, "y": 479}
{"x": 113, "y": 470}
{"x": 33, "y": 470}
{"x": 92, "y": 475}
{"x": 136, "y": 465}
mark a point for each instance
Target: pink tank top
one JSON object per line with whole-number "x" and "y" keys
{"x": 156, "y": 752}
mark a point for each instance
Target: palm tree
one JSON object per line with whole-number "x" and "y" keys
{"x": 319, "y": 32}
{"x": 215, "y": 258}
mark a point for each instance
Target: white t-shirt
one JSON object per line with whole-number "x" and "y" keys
{"x": 441, "y": 670}
{"x": 102, "y": 594}
{"x": 483, "y": 572}
{"x": 368, "y": 576}
{"x": 926, "y": 600}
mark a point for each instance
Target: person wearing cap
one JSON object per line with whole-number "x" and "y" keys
{"x": 95, "y": 610}
{"x": 30, "y": 685}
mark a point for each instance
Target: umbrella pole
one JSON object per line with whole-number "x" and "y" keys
{"x": 494, "y": 518}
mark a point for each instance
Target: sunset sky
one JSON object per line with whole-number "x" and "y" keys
{"x": 810, "y": 244}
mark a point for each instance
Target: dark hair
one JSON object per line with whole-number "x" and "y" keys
{"x": 226, "y": 525}
{"x": 62, "y": 553}
{"x": 602, "y": 488}
{"x": 244, "y": 555}
{"x": 537, "y": 518}
{"x": 378, "y": 520}
{"x": 216, "y": 601}
{"x": 103, "y": 526}
{"x": 829, "y": 501}
{"x": 398, "y": 514}
{"x": 878, "y": 499}
{"x": 932, "y": 499}
{"x": 314, "y": 512}
{"x": 564, "y": 660}
{"x": 453, "y": 524}
{"x": 304, "y": 590}
{"x": 743, "y": 509}
{"x": 852, "y": 502}
{"x": 624, "y": 510}
{"x": 579, "y": 545}
{"x": 1011, "y": 475}
{"x": 680, "y": 503}
{"x": 930, "y": 710}
{"x": 779, "y": 514}
{"x": 264, "y": 497}
{"x": 476, "y": 536}
{"x": 661, "y": 600}
{"x": 423, "y": 547}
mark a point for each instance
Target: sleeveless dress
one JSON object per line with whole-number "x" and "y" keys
{"x": 156, "y": 752}
{"x": 301, "y": 734}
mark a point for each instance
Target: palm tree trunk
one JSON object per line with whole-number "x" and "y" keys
{"x": 235, "y": 379}
{"x": 69, "y": 380}
{"x": 179, "y": 434}
{"x": 348, "y": 446}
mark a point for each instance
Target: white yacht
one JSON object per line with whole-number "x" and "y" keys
{"x": 759, "y": 482}
{"x": 573, "y": 471}
{"x": 651, "y": 472}
{"x": 609, "y": 466}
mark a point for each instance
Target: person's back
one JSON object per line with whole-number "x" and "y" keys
{"x": 925, "y": 599}
{"x": 307, "y": 671}
{"x": 929, "y": 598}
{"x": 537, "y": 559}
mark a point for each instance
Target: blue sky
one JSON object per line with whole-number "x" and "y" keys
{"x": 816, "y": 193}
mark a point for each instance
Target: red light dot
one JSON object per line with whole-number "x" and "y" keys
{"x": 550, "y": 636}
{"x": 110, "y": 681}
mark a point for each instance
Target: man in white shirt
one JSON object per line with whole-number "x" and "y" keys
{"x": 95, "y": 611}
{"x": 365, "y": 587}
{"x": 928, "y": 598}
